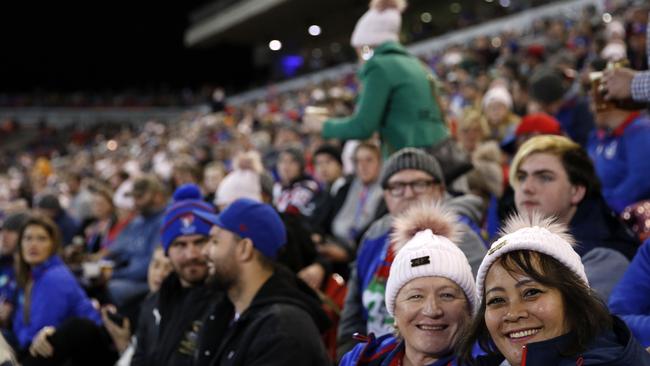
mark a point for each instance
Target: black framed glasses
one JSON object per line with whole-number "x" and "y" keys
{"x": 397, "y": 189}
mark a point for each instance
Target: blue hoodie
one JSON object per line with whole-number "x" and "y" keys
{"x": 630, "y": 299}
{"x": 56, "y": 297}
{"x": 612, "y": 348}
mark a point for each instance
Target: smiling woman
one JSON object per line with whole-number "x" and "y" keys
{"x": 430, "y": 292}
{"x": 537, "y": 307}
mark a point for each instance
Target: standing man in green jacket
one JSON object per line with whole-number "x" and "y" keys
{"x": 396, "y": 99}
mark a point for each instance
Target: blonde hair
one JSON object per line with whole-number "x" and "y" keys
{"x": 548, "y": 144}
{"x": 473, "y": 117}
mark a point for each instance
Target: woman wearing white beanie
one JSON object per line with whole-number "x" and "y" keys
{"x": 536, "y": 306}
{"x": 430, "y": 292}
{"x": 396, "y": 94}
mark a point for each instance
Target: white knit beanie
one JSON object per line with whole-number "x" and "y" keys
{"x": 497, "y": 94}
{"x": 381, "y": 23}
{"x": 239, "y": 184}
{"x": 428, "y": 254}
{"x": 534, "y": 233}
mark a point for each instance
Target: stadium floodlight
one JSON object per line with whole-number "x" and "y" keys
{"x": 275, "y": 45}
{"x": 314, "y": 30}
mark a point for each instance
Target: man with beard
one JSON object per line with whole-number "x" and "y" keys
{"x": 271, "y": 317}
{"x": 133, "y": 248}
{"x": 183, "y": 299}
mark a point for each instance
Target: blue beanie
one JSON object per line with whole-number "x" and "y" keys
{"x": 180, "y": 220}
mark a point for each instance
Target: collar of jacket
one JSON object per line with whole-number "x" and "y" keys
{"x": 284, "y": 287}
{"x": 40, "y": 269}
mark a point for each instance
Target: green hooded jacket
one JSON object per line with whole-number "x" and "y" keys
{"x": 395, "y": 100}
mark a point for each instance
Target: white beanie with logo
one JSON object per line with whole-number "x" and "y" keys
{"x": 381, "y": 23}
{"x": 431, "y": 252}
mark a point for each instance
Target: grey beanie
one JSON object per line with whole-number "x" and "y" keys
{"x": 411, "y": 158}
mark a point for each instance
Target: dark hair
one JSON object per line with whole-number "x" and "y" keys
{"x": 586, "y": 314}
{"x": 23, "y": 269}
{"x": 580, "y": 170}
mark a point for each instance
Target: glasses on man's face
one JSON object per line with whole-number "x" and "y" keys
{"x": 397, "y": 189}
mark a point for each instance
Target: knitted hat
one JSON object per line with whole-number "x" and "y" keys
{"x": 411, "y": 158}
{"x": 256, "y": 221}
{"x": 330, "y": 150}
{"x": 498, "y": 94}
{"x": 239, "y": 184}
{"x": 547, "y": 86}
{"x": 430, "y": 252}
{"x": 540, "y": 123}
{"x": 534, "y": 233}
{"x": 179, "y": 217}
{"x": 381, "y": 23}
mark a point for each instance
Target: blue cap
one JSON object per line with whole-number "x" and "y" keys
{"x": 179, "y": 217}
{"x": 256, "y": 221}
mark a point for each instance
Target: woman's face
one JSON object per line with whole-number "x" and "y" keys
{"x": 159, "y": 268}
{"x": 430, "y": 312}
{"x": 102, "y": 208}
{"x": 288, "y": 168}
{"x": 496, "y": 113}
{"x": 37, "y": 245}
{"x": 520, "y": 310}
{"x": 368, "y": 165}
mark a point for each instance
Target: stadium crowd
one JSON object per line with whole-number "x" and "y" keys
{"x": 487, "y": 204}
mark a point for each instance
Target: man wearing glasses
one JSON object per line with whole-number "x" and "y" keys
{"x": 409, "y": 176}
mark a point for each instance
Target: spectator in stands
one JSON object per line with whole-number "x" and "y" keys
{"x": 430, "y": 292}
{"x": 549, "y": 88}
{"x": 630, "y": 299}
{"x": 213, "y": 174}
{"x": 79, "y": 207}
{"x": 362, "y": 199}
{"x": 271, "y": 318}
{"x": 48, "y": 204}
{"x": 537, "y": 308}
{"x": 497, "y": 109}
{"x": 125, "y": 342}
{"x": 554, "y": 176}
{"x": 135, "y": 244}
{"x": 396, "y": 98}
{"x": 48, "y": 292}
{"x": 102, "y": 231}
{"x": 472, "y": 129}
{"x": 182, "y": 299}
{"x": 625, "y": 83}
{"x": 295, "y": 192}
{"x": 408, "y": 177}
{"x": 9, "y": 234}
{"x": 617, "y": 149}
{"x": 186, "y": 170}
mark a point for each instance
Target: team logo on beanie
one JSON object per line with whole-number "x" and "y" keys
{"x": 187, "y": 222}
{"x": 416, "y": 262}
{"x": 497, "y": 246}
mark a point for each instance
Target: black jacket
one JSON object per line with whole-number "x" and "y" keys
{"x": 612, "y": 348}
{"x": 281, "y": 326}
{"x": 177, "y": 319}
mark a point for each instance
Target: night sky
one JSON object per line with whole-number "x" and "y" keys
{"x": 109, "y": 45}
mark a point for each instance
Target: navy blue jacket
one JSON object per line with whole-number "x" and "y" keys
{"x": 631, "y": 297}
{"x": 612, "y": 348}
